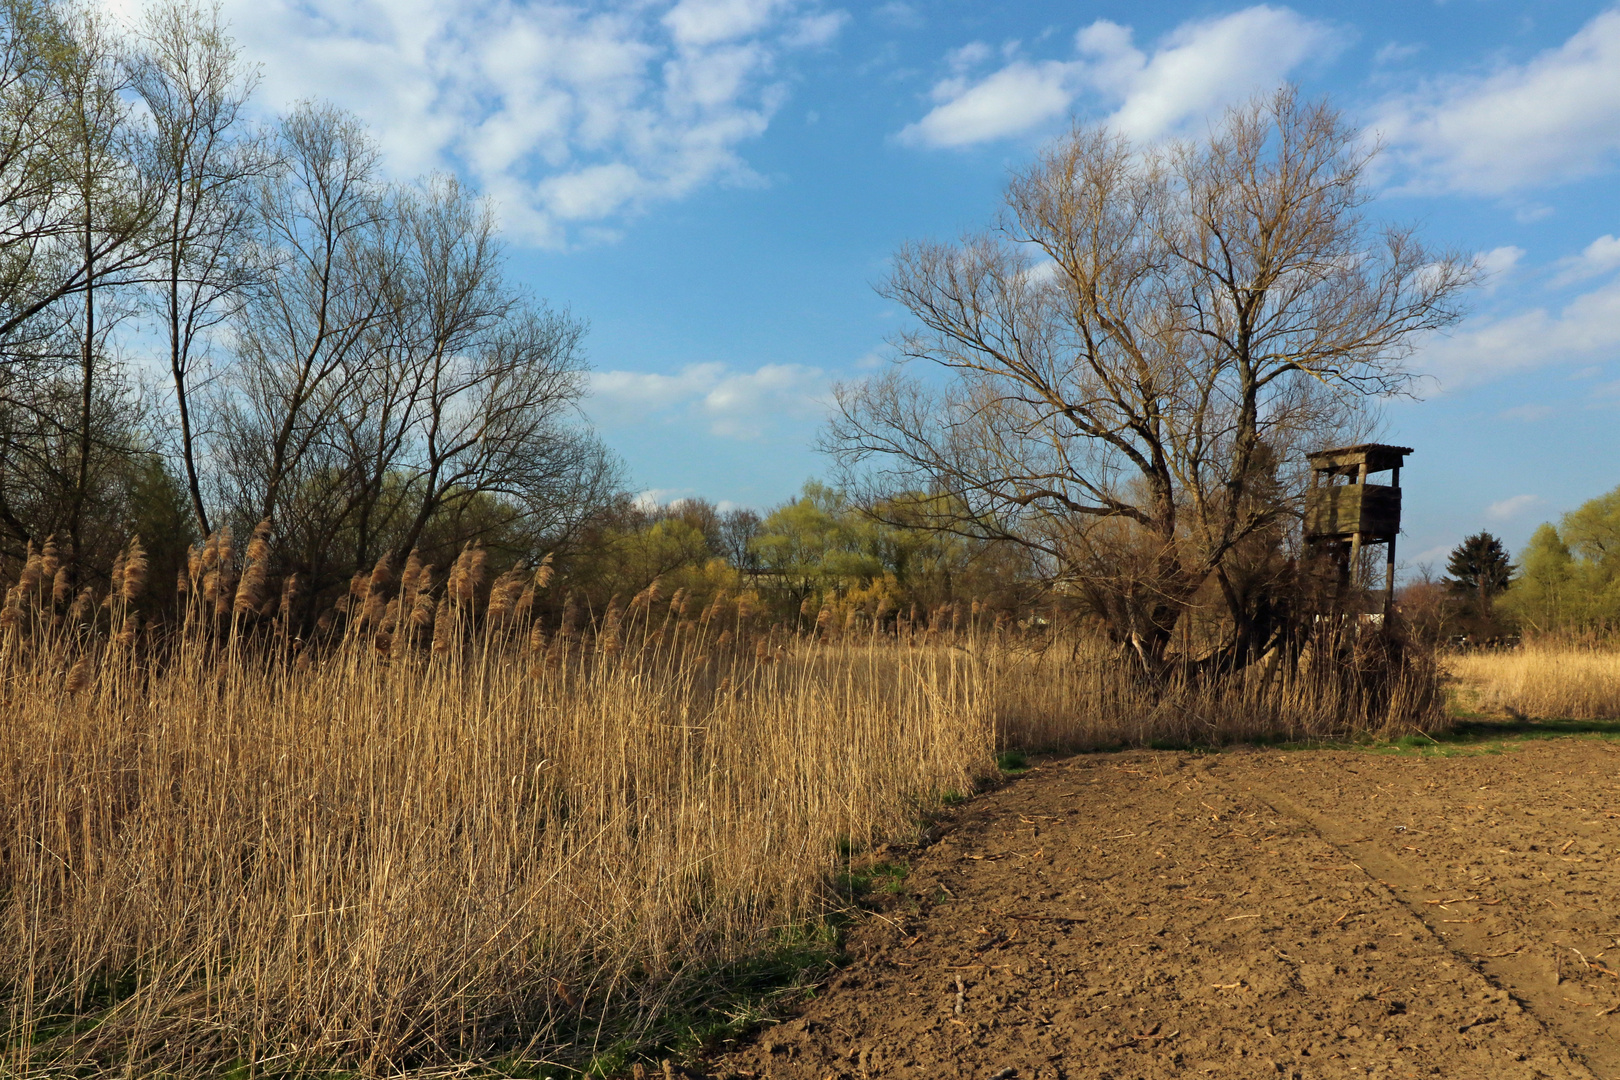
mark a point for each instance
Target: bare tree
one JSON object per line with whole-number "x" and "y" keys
{"x": 106, "y": 184}
{"x": 302, "y": 336}
{"x": 194, "y": 85}
{"x": 1140, "y": 352}
{"x": 76, "y": 205}
{"x": 389, "y": 385}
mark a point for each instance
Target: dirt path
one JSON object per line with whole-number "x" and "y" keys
{"x": 1252, "y": 913}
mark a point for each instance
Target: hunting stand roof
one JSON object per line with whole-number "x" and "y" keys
{"x": 1348, "y": 460}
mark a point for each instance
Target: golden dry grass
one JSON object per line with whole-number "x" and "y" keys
{"x": 388, "y": 856}
{"x": 1544, "y": 680}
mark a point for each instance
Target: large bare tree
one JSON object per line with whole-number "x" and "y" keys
{"x": 1124, "y": 373}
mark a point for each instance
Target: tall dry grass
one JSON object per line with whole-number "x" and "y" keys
{"x": 439, "y": 839}
{"x": 1080, "y": 694}
{"x": 1546, "y": 680}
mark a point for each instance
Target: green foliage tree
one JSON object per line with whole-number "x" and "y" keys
{"x": 823, "y": 544}
{"x": 1569, "y": 574}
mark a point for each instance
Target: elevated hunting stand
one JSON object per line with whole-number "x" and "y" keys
{"x": 1343, "y": 513}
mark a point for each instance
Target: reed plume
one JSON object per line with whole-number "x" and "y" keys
{"x": 444, "y": 628}
{"x": 376, "y": 591}
{"x": 570, "y": 616}
{"x": 422, "y": 611}
{"x": 78, "y": 676}
{"x": 607, "y": 639}
{"x": 289, "y": 595}
{"x": 456, "y": 585}
{"x": 225, "y": 565}
{"x": 250, "y": 590}
{"x": 504, "y": 594}
{"x": 49, "y": 562}
{"x": 258, "y": 549}
{"x": 410, "y": 583}
{"x": 135, "y": 568}
{"x": 33, "y": 570}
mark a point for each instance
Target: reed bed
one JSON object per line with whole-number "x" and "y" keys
{"x": 1547, "y": 680}
{"x": 450, "y": 835}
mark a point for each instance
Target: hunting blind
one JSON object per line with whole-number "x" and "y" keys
{"x": 1344, "y": 512}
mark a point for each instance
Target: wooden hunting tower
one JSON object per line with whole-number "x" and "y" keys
{"x": 1343, "y": 512}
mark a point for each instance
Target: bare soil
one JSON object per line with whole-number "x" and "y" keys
{"x": 1243, "y": 914}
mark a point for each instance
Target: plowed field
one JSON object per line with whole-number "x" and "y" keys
{"x": 1250, "y": 913}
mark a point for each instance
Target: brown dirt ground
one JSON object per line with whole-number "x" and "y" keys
{"x": 1248, "y": 913}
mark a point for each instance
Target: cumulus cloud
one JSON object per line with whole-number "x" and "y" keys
{"x": 1553, "y": 118}
{"x": 1498, "y": 263}
{"x": 1201, "y": 66}
{"x": 1599, "y": 257}
{"x": 732, "y": 404}
{"x": 1489, "y": 347}
{"x": 568, "y": 113}
{"x": 1512, "y": 507}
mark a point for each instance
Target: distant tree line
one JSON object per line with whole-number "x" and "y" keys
{"x": 817, "y": 560}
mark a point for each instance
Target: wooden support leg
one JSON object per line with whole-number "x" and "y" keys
{"x": 1389, "y": 581}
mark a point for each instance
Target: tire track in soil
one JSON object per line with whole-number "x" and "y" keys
{"x": 1511, "y": 860}
{"x": 1150, "y": 914}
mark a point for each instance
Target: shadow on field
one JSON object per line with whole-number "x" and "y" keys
{"x": 1477, "y": 730}
{"x": 1467, "y": 735}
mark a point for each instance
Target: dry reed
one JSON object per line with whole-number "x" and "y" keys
{"x": 386, "y": 859}
{"x": 1545, "y": 680}
{"x": 393, "y": 853}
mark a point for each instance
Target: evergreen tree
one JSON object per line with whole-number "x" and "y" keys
{"x": 1480, "y": 570}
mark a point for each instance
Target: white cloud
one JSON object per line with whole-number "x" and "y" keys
{"x": 1016, "y": 98}
{"x": 1598, "y": 258}
{"x": 657, "y": 498}
{"x": 1497, "y": 264}
{"x": 1512, "y": 507}
{"x": 566, "y": 112}
{"x": 814, "y": 31}
{"x": 733, "y": 404}
{"x": 967, "y": 56}
{"x": 1200, "y": 67}
{"x": 1554, "y": 118}
{"x": 627, "y": 397}
{"x": 1204, "y": 66}
{"x": 1485, "y": 348}
{"x": 1394, "y": 53}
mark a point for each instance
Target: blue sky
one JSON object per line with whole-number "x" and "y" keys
{"x": 714, "y": 185}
